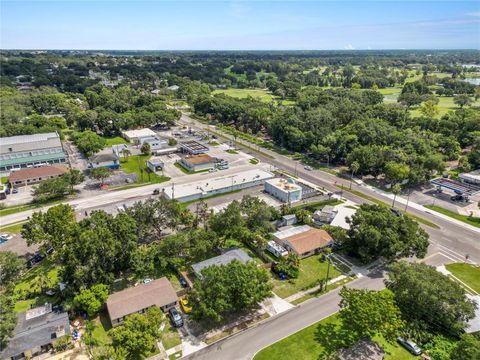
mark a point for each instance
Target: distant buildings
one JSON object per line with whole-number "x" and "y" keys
{"x": 285, "y": 190}
{"x": 303, "y": 240}
{"x": 226, "y": 258}
{"x": 26, "y": 151}
{"x": 35, "y": 175}
{"x": 139, "y": 299}
{"x": 197, "y": 162}
{"x": 35, "y": 333}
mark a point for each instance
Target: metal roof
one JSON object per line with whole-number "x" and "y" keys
{"x": 291, "y": 232}
{"x": 456, "y": 186}
{"x": 224, "y": 259}
{"x": 32, "y": 159}
{"x": 20, "y": 139}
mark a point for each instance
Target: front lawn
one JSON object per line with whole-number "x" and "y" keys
{"x": 312, "y": 271}
{"x": 135, "y": 164}
{"x": 170, "y": 336}
{"x": 315, "y": 341}
{"x": 474, "y": 221}
{"x": 468, "y": 273}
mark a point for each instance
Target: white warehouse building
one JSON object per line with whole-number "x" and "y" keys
{"x": 285, "y": 190}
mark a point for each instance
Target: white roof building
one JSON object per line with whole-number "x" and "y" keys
{"x": 136, "y": 135}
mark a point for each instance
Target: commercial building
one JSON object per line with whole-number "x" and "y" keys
{"x": 303, "y": 240}
{"x": 219, "y": 185}
{"x": 25, "y": 151}
{"x": 277, "y": 250}
{"x": 226, "y": 258}
{"x": 285, "y": 190}
{"x": 31, "y": 176}
{"x": 155, "y": 164}
{"x": 104, "y": 160}
{"x": 135, "y": 136}
{"x": 139, "y": 299}
{"x": 192, "y": 147}
{"x": 155, "y": 142}
{"x": 36, "y": 332}
{"x": 197, "y": 162}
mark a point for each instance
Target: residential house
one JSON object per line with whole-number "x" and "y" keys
{"x": 104, "y": 160}
{"x": 289, "y": 219}
{"x": 325, "y": 215}
{"x": 36, "y": 332}
{"x": 303, "y": 240}
{"x": 139, "y": 299}
{"x": 226, "y": 258}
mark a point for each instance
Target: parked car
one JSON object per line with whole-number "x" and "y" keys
{"x": 176, "y": 318}
{"x": 457, "y": 197}
{"x": 147, "y": 280}
{"x": 183, "y": 282}
{"x": 6, "y": 237}
{"x": 185, "y": 306}
{"x": 14, "y": 191}
{"x": 396, "y": 211}
{"x": 409, "y": 345}
{"x": 308, "y": 167}
{"x": 156, "y": 191}
{"x": 212, "y": 170}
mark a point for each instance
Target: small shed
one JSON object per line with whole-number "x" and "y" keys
{"x": 155, "y": 164}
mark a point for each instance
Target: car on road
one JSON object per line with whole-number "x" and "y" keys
{"x": 176, "y": 318}
{"x": 156, "y": 191}
{"x": 409, "y": 345}
{"x": 308, "y": 168}
{"x": 396, "y": 211}
{"x": 212, "y": 170}
{"x": 184, "y": 304}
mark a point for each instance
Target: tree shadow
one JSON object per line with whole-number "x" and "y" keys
{"x": 331, "y": 337}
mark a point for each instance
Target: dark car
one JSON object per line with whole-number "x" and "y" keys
{"x": 176, "y": 317}
{"x": 396, "y": 211}
{"x": 156, "y": 191}
{"x": 183, "y": 282}
{"x": 457, "y": 198}
{"x": 409, "y": 345}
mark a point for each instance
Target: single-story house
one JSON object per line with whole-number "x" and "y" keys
{"x": 303, "y": 240}
{"x": 364, "y": 349}
{"x": 139, "y": 299}
{"x": 155, "y": 164}
{"x": 134, "y": 136}
{"x": 197, "y": 162}
{"x": 226, "y": 258}
{"x": 104, "y": 160}
{"x": 30, "y": 176}
{"x": 36, "y": 332}
{"x": 325, "y": 215}
{"x": 276, "y": 249}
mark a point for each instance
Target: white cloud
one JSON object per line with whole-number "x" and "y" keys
{"x": 349, "y": 47}
{"x": 476, "y": 14}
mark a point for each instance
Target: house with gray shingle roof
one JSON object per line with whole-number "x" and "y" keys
{"x": 226, "y": 258}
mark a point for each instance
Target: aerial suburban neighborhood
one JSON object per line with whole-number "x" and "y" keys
{"x": 225, "y": 183}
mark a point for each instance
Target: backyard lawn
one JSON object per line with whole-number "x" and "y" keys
{"x": 30, "y": 283}
{"x": 136, "y": 164}
{"x": 474, "y": 221}
{"x": 312, "y": 270}
{"x": 315, "y": 341}
{"x": 468, "y": 273}
{"x": 115, "y": 140}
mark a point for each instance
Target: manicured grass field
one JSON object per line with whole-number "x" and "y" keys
{"x": 312, "y": 270}
{"x": 136, "y": 164}
{"x": 468, "y": 273}
{"x": 474, "y": 221}
{"x": 263, "y": 95}
{"x": 115, "y": 140}
{"x": 319, "y": 339}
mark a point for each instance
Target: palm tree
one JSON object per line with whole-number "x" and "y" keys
{"x": 354, "y": 166}
{"x": 396, "y": 189}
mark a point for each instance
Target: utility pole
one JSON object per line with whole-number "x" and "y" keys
{"x": 173, "y": 191}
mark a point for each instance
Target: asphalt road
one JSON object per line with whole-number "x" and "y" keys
{"x": 452, "y": 237}
{"x": 245, "y": 344}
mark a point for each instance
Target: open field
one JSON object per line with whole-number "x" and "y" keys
{"x": 263, "y": 95}
{"x": 468, "y": 273}
{"x": 474, "y": 221}
{"x": 313, "y": 342}
{"x": 115, "y": 140}
{"x": 136, "y": 164}
{"x": 312, "y": 271}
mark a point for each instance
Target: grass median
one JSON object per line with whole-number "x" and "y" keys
{"x": 471, "y": 220}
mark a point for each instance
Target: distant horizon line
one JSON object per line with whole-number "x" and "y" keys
{"x": 249, "y": 50}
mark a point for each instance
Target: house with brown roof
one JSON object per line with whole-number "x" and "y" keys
{"x": 303, "y": 240}
{"x": 35, "y": 175}
{"x": 197, "y": 162}
{"x": 139, "y": 299}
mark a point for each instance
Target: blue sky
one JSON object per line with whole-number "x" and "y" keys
{"x": 242, "y": 25}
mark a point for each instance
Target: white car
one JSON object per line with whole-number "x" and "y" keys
{"x": 6, "y": 237}
{"x": 308, "y": 167}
